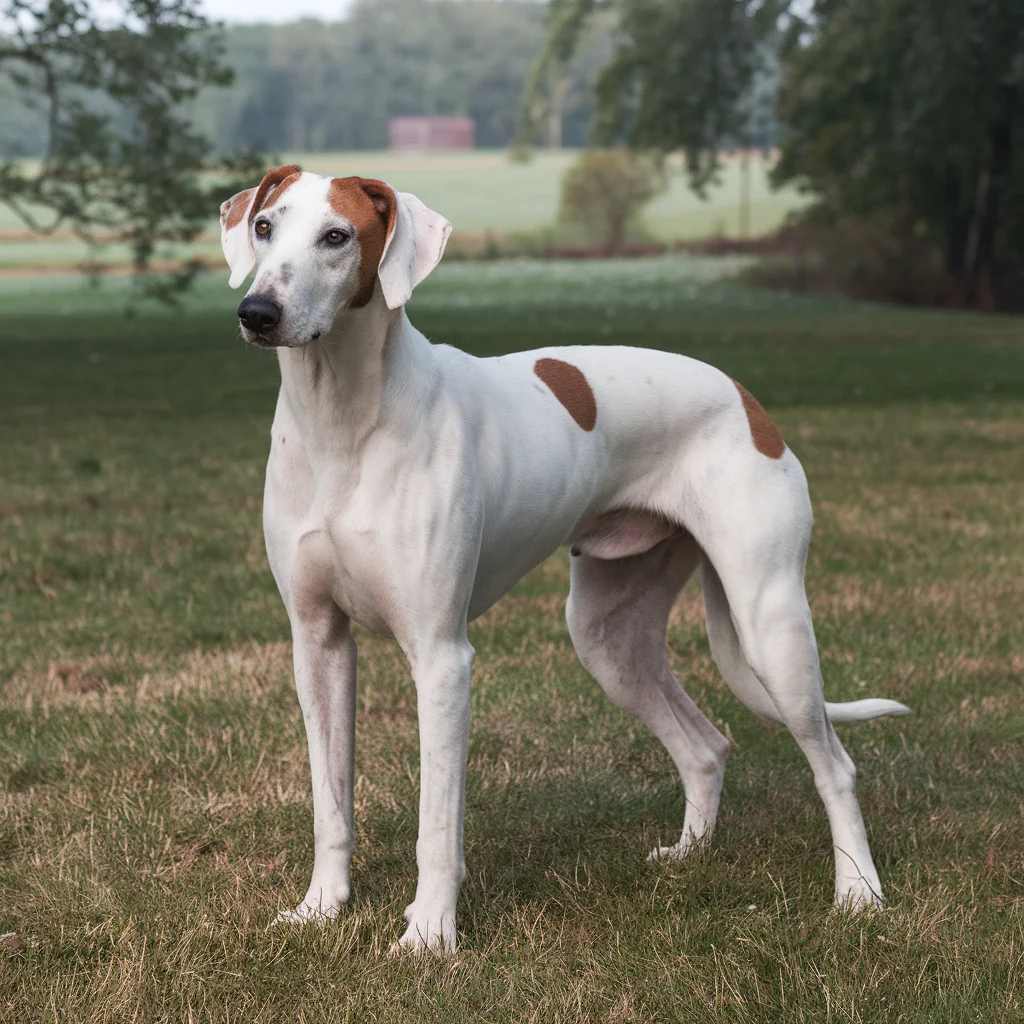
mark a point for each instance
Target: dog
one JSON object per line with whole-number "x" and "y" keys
{"x": 410, "y": 485}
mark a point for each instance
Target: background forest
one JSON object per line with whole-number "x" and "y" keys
{"x": 312, "y": 86}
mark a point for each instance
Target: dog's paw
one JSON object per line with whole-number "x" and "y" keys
{"x": 319, "y": 906}
{"x": 671, "y": 853}
{"x": 857, "y": 894}
{"x": 428, "y": 931}
{"x": 305, "y": 914}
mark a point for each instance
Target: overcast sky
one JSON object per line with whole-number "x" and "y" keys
{"x": 275, "y": 10}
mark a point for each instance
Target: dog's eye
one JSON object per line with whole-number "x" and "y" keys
{"x": 336, "y": 237}
{"x": 262, "y": 227}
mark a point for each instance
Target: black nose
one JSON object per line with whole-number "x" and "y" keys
{"x": 258, "y": 312}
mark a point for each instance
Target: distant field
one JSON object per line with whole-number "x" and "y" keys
{"x": 154, "y": 787}
{"x": 478, "y": 191}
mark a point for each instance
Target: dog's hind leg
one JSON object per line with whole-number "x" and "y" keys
{"x": 762, "y": 637}
{"x": 617, "y": 614}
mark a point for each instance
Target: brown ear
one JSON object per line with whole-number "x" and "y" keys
{"x": 270, "y": 181}
{"x": 385, "y": 202}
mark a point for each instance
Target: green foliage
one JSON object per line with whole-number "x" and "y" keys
{"x": 683, "y": 74}
{"x": 315, "y": 86}
{"x": 312, "y": 86}
{"x": 910, "y": 115}
{"x": 905, "y": 117}
{"x": 606, "y": 189}
{"x": 121, "y": 157}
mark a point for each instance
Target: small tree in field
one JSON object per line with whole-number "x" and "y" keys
{"x": 606, "y": 189}
{"x": 122, "y": 161}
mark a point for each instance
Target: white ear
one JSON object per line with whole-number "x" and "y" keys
{"x": 412, "y": 250}
{"x": 234, "y": 235}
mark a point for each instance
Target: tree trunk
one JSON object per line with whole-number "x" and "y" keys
{"x": 955, "y": 222}
{"x": 616, "y": 234}
{"x": 988, "y": 235}
{"x": 558, "y": 94}
{"x": 974, "y": 231}
{"x": 745, "y": 193}
{"x": 983, "y": 235}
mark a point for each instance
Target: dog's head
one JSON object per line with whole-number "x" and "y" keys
{"x": 321, "y": 245}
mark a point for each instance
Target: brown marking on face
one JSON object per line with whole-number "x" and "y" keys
{"x": 371, "y": 207}
{"x": 765, "y": 435}
{"x": 570, "y": 387}
{"x": 233, "y": 215}
{"x": 286, "y": 184}
{"x": 272, "y": 179}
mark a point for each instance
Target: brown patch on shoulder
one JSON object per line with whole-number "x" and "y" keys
{"x": 371, "y": 207}
{"x": 765, "y": 435}
{"x": 570, "y": 387}
{"x": 232, "y": 216}
{"x": 272, "y": 179}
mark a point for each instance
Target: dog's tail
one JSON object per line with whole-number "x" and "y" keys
{"x": 862, "y": 710}
{"x": 728, "y": 653}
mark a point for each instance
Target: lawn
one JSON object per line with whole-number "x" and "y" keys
{"x": 156, "y": 810}
{"x": 480, "y": 191}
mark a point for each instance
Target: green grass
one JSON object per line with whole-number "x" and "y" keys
{"x": 156, "y": 810}
{"x": 485, "y": 191}
{"x": 478, "y": 191}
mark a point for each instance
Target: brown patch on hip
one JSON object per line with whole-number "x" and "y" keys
{"x": 570, "y": 387}
{"x": 371, "y": 207}
{"x": 232, "y": 217}
{"x": 765, "y": 435}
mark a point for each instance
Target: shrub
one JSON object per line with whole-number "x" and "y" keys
{"x": 821, "y": 251}
{"x": 605, "y": 189}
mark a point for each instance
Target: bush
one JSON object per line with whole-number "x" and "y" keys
{"x": 605, "y": 189}
{"x": 820, "y": 251}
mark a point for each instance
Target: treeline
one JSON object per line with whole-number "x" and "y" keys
{"x": 316, "y": 86}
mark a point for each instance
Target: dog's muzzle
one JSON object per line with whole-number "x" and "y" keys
{"x": 259, "y": 313}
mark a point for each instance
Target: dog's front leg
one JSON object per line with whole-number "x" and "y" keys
{"x": 441, "y": 671}
{"x": 325, "y": 677}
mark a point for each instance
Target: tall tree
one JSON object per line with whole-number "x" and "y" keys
{"x": 121, "y": 159}
{"x": 680, "y": 75}
{"x": 312, "y": 85}
{"x": 910, "y": 114}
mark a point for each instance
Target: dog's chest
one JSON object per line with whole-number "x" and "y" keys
{"x": 360, "y": 587}
{"x": 321, "y": 547}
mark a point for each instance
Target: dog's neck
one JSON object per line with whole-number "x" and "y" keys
{"x": 337, "y": 387}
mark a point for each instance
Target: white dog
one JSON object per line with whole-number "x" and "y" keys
{"x": 411, "y": 485}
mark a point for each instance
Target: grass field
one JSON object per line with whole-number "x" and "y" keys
{"x": 477, "y": 191}
{"x": 156, "y": 810}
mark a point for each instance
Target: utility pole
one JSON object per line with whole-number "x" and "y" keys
{"x": 744, "y": 193}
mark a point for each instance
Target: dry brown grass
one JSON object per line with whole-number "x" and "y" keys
{"x": 155, "y": 814}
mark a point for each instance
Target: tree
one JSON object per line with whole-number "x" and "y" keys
{"x": 607, "y": 188}
{"x": 334, "y": 85}
{"x": 903, "y": 117}
{"x": 909, "y": 114}
{"x": 121, "y": 159}
{"x": 680, "y": 75}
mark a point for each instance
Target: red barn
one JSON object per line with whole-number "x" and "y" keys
{"x": 430, "y": 133}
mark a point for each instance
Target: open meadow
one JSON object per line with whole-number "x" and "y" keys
{"x": 480, "y": 192}
{"x": 155, "y": 790}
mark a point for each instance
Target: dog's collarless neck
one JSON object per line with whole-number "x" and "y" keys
{"x": 336, "y": 386}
